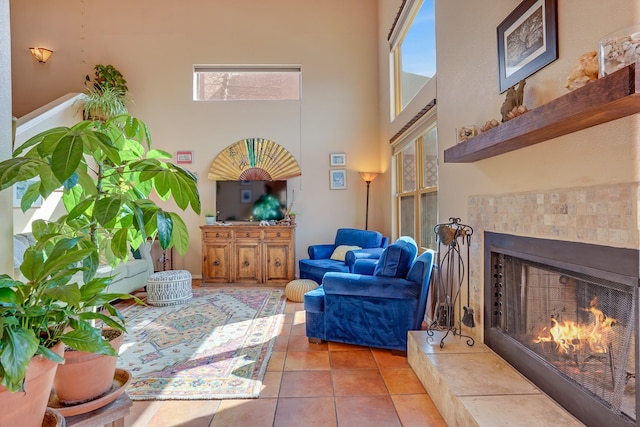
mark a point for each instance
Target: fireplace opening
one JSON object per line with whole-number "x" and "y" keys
{"x": 565, "y": 315}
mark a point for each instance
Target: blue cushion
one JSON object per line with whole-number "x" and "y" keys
{"x": 355, "y": 237}
{"x": 397, "y": 258}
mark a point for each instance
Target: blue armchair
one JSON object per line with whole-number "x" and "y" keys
{"x": 320, "y": 261}
{"x": 373, "y": 310}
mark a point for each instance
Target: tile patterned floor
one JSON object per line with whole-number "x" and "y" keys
{"x": 328, "y": 384}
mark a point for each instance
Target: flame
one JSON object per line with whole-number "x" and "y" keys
{"x": 571, "y": 337}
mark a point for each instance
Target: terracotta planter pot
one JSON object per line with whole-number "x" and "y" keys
{"x": 28, "y": 408}
{"x": 85, "y": 376}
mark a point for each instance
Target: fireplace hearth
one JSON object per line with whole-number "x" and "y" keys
{"x": 565, "y": 315}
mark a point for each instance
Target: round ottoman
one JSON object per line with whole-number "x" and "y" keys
{"x": 296, "y": 289}
{"x": 169, "y": 287}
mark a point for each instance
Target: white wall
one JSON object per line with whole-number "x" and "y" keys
{"x": 6, "y": 227}
{"x": 155, "y": 43}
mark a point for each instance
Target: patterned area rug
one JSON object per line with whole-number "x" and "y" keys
{"x": 214, "y": 346}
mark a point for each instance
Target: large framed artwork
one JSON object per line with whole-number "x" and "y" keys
{"x": 527, "y": 41}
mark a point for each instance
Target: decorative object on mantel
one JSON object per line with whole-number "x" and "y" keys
{"x": 609, "y": 98}
{"x": 527, "y": 41}
{"x": 584, "y": 71}
{"x": 450, "y": 276}
{"x": 513, "y": 99}
{"x": 517, "y": 111}
{"x": 619, "y": 49}
{"x": 490, "y": 124}
{"x": 254, "y": 159}
{"x": 466, "y": 132}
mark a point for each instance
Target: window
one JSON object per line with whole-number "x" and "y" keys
{"x": 413, "y": 51}
{"x": 246, "y": 83}
{"x": 417, "y": 192}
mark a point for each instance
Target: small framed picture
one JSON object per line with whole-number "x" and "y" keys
{"x": 184, "y": 157}
{"x": 337, "y": 159}
{"x": 245, "y": 196}
{"x": 20, "y": 188}
{"x": 338, "y": 179}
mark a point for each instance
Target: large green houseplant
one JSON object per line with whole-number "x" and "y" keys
{"x": 107, "y": 171}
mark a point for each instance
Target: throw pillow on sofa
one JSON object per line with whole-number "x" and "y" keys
{"x": 340, "y": 252}
{"x": 396, "y": 259}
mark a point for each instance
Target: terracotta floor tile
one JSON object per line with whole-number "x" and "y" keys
{"x": 356, "y": 382}
{"x": 338, "y": 346}
{"x": 385, "y": 359}
{"x": 141, "y": 412}
{"x": 245, "y": 412}
{"x": 301, "y": 343}
{"x": 352, "y": 359}
{"x": 402, "y": 381}
{"x": 290, "y": 307}
{"x": 191, "y": 413}
{"x": 281, "y": 343}
{"x": 305, "y": 412}
{"x": 306, "y": 384}
{"x": 276, "y": 362}
{"x": 288, "y": 318}
{"x": 299, "y": 329}
{"x": 417, "y": 410}
{"x": 271, "y": 384}
{"x": 300, "y": 317}
{"x": 284, "y": 330}
{"x": 307, "y": 361}
{"x": 358, "y": 411}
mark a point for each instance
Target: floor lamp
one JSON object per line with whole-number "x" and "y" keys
{"x": 368, "y": 177}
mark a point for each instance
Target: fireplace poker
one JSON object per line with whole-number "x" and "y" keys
{"x": 467, "y": 317}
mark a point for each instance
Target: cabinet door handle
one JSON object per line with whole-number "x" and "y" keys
{"x": 278, "y": 263}
{"x": 246, "y": 263}
{"x": 216, "y": 263}
{"x": 278, "y": 234}
{"x": 217, "y": 234}
{"x": 247, "y": 234}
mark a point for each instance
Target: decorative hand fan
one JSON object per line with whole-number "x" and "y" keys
{"x": 254, "y": 159}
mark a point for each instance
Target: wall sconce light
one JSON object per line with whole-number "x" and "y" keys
{"x": 368, "y": 177}
{"x": 40, "y": 53}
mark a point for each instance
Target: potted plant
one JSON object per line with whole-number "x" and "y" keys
{"x": 106, "y": 93}
{"x": 107, "y": 171}
{"x": 209, "y": 218}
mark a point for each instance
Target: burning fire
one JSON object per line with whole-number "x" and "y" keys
{"x": 571, "y": 337}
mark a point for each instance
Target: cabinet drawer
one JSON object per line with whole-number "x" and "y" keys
{"x": 248, "y": 234}
{"x": 222, "y": 234}
{"x": 277, "y": 234}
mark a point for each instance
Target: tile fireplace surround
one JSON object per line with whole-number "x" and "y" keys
{"x": 603, "y": 215}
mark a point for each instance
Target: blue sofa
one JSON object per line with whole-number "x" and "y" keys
{"x": 373, "y": 310}
{"x": 372, "y": 243}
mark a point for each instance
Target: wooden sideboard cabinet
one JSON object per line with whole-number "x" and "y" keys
{"x": 248, "y": 253}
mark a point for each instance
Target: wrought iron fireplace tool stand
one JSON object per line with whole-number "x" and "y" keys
{"x": 450, "y": 275}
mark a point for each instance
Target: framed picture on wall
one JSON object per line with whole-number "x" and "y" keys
{"x": 338, "y": 179}
{"x": 527, "y": 41}
{"x": 184, "y": 157}
{"x": 337, "y": 159}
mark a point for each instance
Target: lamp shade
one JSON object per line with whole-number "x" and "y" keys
{"x": 40, "y": 53}
{"x": 369, "y": 176}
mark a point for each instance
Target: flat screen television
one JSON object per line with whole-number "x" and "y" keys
{"x": 251, "y": 200}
